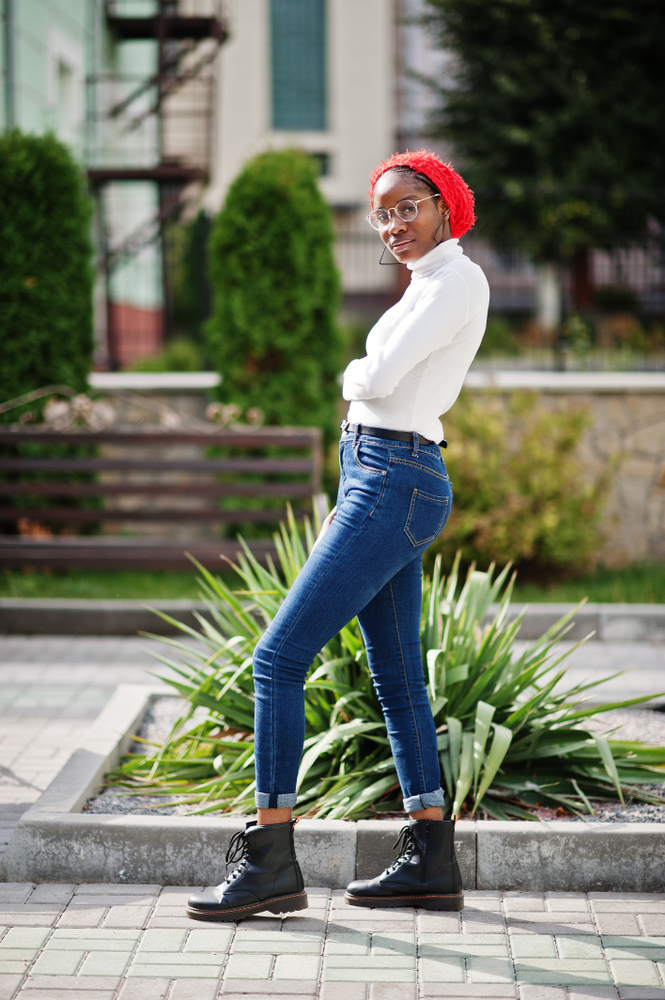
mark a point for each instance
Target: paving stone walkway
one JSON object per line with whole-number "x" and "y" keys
{"x": 131, "y": 942}
{"x": 52, "y": 688}
{"x": 32, "y": 752}
{"x": 97, "y": 661}
{"x": 124, "y": 942}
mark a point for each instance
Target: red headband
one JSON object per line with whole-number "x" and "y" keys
{"x": 456, "y": 194}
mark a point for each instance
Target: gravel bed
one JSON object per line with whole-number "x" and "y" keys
{"x": 626, "y": 724}
{"x": 630, "y": 724}
{"x": 156, "y": 726}
{"x": 621, "y": 724}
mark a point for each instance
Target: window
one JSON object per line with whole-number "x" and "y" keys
{"x": 322, "y": 161}
{"x": 298, "y": 65}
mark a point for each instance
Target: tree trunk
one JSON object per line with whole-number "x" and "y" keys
{"x": 583, "y": 292}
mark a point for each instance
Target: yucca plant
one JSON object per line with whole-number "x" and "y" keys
{"x": 509, "y": 736}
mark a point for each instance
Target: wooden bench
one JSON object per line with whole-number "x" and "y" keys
{"x": 139, "y": 476}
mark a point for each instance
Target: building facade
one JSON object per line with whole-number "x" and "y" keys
{"x": 319, "y": 75}
{"x": 44, "y": 60}
{"x": 163, "y": 101}
{"x": 128, "y": 85}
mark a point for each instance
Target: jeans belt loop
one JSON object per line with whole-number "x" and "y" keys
{"x": 415, "y": 445}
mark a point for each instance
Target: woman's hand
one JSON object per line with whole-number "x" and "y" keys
{"x": 324, "y": 527}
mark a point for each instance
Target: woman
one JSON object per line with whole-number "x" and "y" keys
{"x": 394, "y": 499}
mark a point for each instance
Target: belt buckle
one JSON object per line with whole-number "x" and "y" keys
{"x": 344, "y": 424}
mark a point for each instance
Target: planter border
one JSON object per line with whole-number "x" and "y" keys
{"x": 55, "y": 842}
{"x": 67, "y": 616}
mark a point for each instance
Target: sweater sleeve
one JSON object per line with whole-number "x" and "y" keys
{"x": 439, "y": 314}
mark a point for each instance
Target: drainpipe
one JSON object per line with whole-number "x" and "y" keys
{"x": 10, "y": 117}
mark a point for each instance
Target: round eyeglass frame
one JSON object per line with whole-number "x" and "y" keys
{"x": 374, "y": 223}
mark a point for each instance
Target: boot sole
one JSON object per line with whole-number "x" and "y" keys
{"x": 451, "y": 902}
{"x": 279, "y": 904}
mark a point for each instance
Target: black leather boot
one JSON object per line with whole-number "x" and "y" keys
{"x": 267, "y": 878}
{"x": 425, "y": 874}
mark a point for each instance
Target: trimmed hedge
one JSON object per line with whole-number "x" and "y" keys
{"x": 273, "y": 335}
{"x": 46, "y": 276}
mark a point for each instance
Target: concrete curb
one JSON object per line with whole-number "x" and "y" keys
{"x": 55, "y": 842}
{"x": 164, "y": 850}
{"x": 28, "y": 616}
{"x": 108, "y": 738}
{"x": 609, "y": 622}
{"x": 571, "y": 857}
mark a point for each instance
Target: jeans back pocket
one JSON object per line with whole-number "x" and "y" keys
{"x": 427, "y": 516}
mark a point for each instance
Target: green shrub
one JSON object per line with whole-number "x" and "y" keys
{"x": 499, "y": 338}
{"x": 520, "y": 490}
{"x": 273, "y": 335}
{"x": 616, "y": 299}
{"x": 46, "y": 276}
{"x": 579, "y": 334}
{"x": 510, "y": 736}
{"x": 187, "y": 249}
{"x": 179, "y": 355}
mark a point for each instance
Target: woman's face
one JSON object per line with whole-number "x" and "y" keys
{"x": 408, "y": 241}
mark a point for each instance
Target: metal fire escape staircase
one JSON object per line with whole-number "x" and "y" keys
{"x": 155, "y": 128}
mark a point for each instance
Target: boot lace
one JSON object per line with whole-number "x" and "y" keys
{"x": 405, "y": 845}
{"x": 238, "y": 850}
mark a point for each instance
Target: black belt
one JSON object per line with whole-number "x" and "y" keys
{"x": 380, "y": 432}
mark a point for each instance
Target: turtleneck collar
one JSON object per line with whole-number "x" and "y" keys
{"x": 433, "y": 260}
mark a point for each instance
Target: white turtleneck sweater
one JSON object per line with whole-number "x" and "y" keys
{"x": 420, "y": 350}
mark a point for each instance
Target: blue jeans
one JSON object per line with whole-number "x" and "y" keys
{"x": 394, "y": 498}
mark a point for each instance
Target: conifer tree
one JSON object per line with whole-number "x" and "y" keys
{"x": 46, "y": 276}
{"x": 273, "y": 334}
{"x": 555, "y": 111}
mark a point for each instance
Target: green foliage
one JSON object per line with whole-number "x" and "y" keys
{"x": 626, "y": 333}
{"x": 46, "y": 276}
{"x": 579, "y": 334}
{"x": 273, "y": 335}
{"x": 521, "y": 491}
{"x": 508, "y": 736}
{"x": 639, "y": 583}
{"x": 499, "y": 339}
{"x": 188, "y": 261}
{"x": 179, "y": 355}
{"x": 555, "y": 109}
{"x": 144, "y": 585}
{"x": 354, "y": 332}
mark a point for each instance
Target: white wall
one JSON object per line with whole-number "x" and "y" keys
{"x": 361, "y": 97}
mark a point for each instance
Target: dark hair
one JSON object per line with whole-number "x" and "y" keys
{"x": 421, "y": 179}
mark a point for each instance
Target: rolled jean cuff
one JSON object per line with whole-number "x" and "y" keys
{"x": 427, "y": 800}
{"x": 266, "y": 800}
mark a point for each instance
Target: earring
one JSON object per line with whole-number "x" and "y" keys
{"x": 387, "y": 263}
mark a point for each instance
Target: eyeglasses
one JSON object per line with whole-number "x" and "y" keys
{"x": 406, "y": 210}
